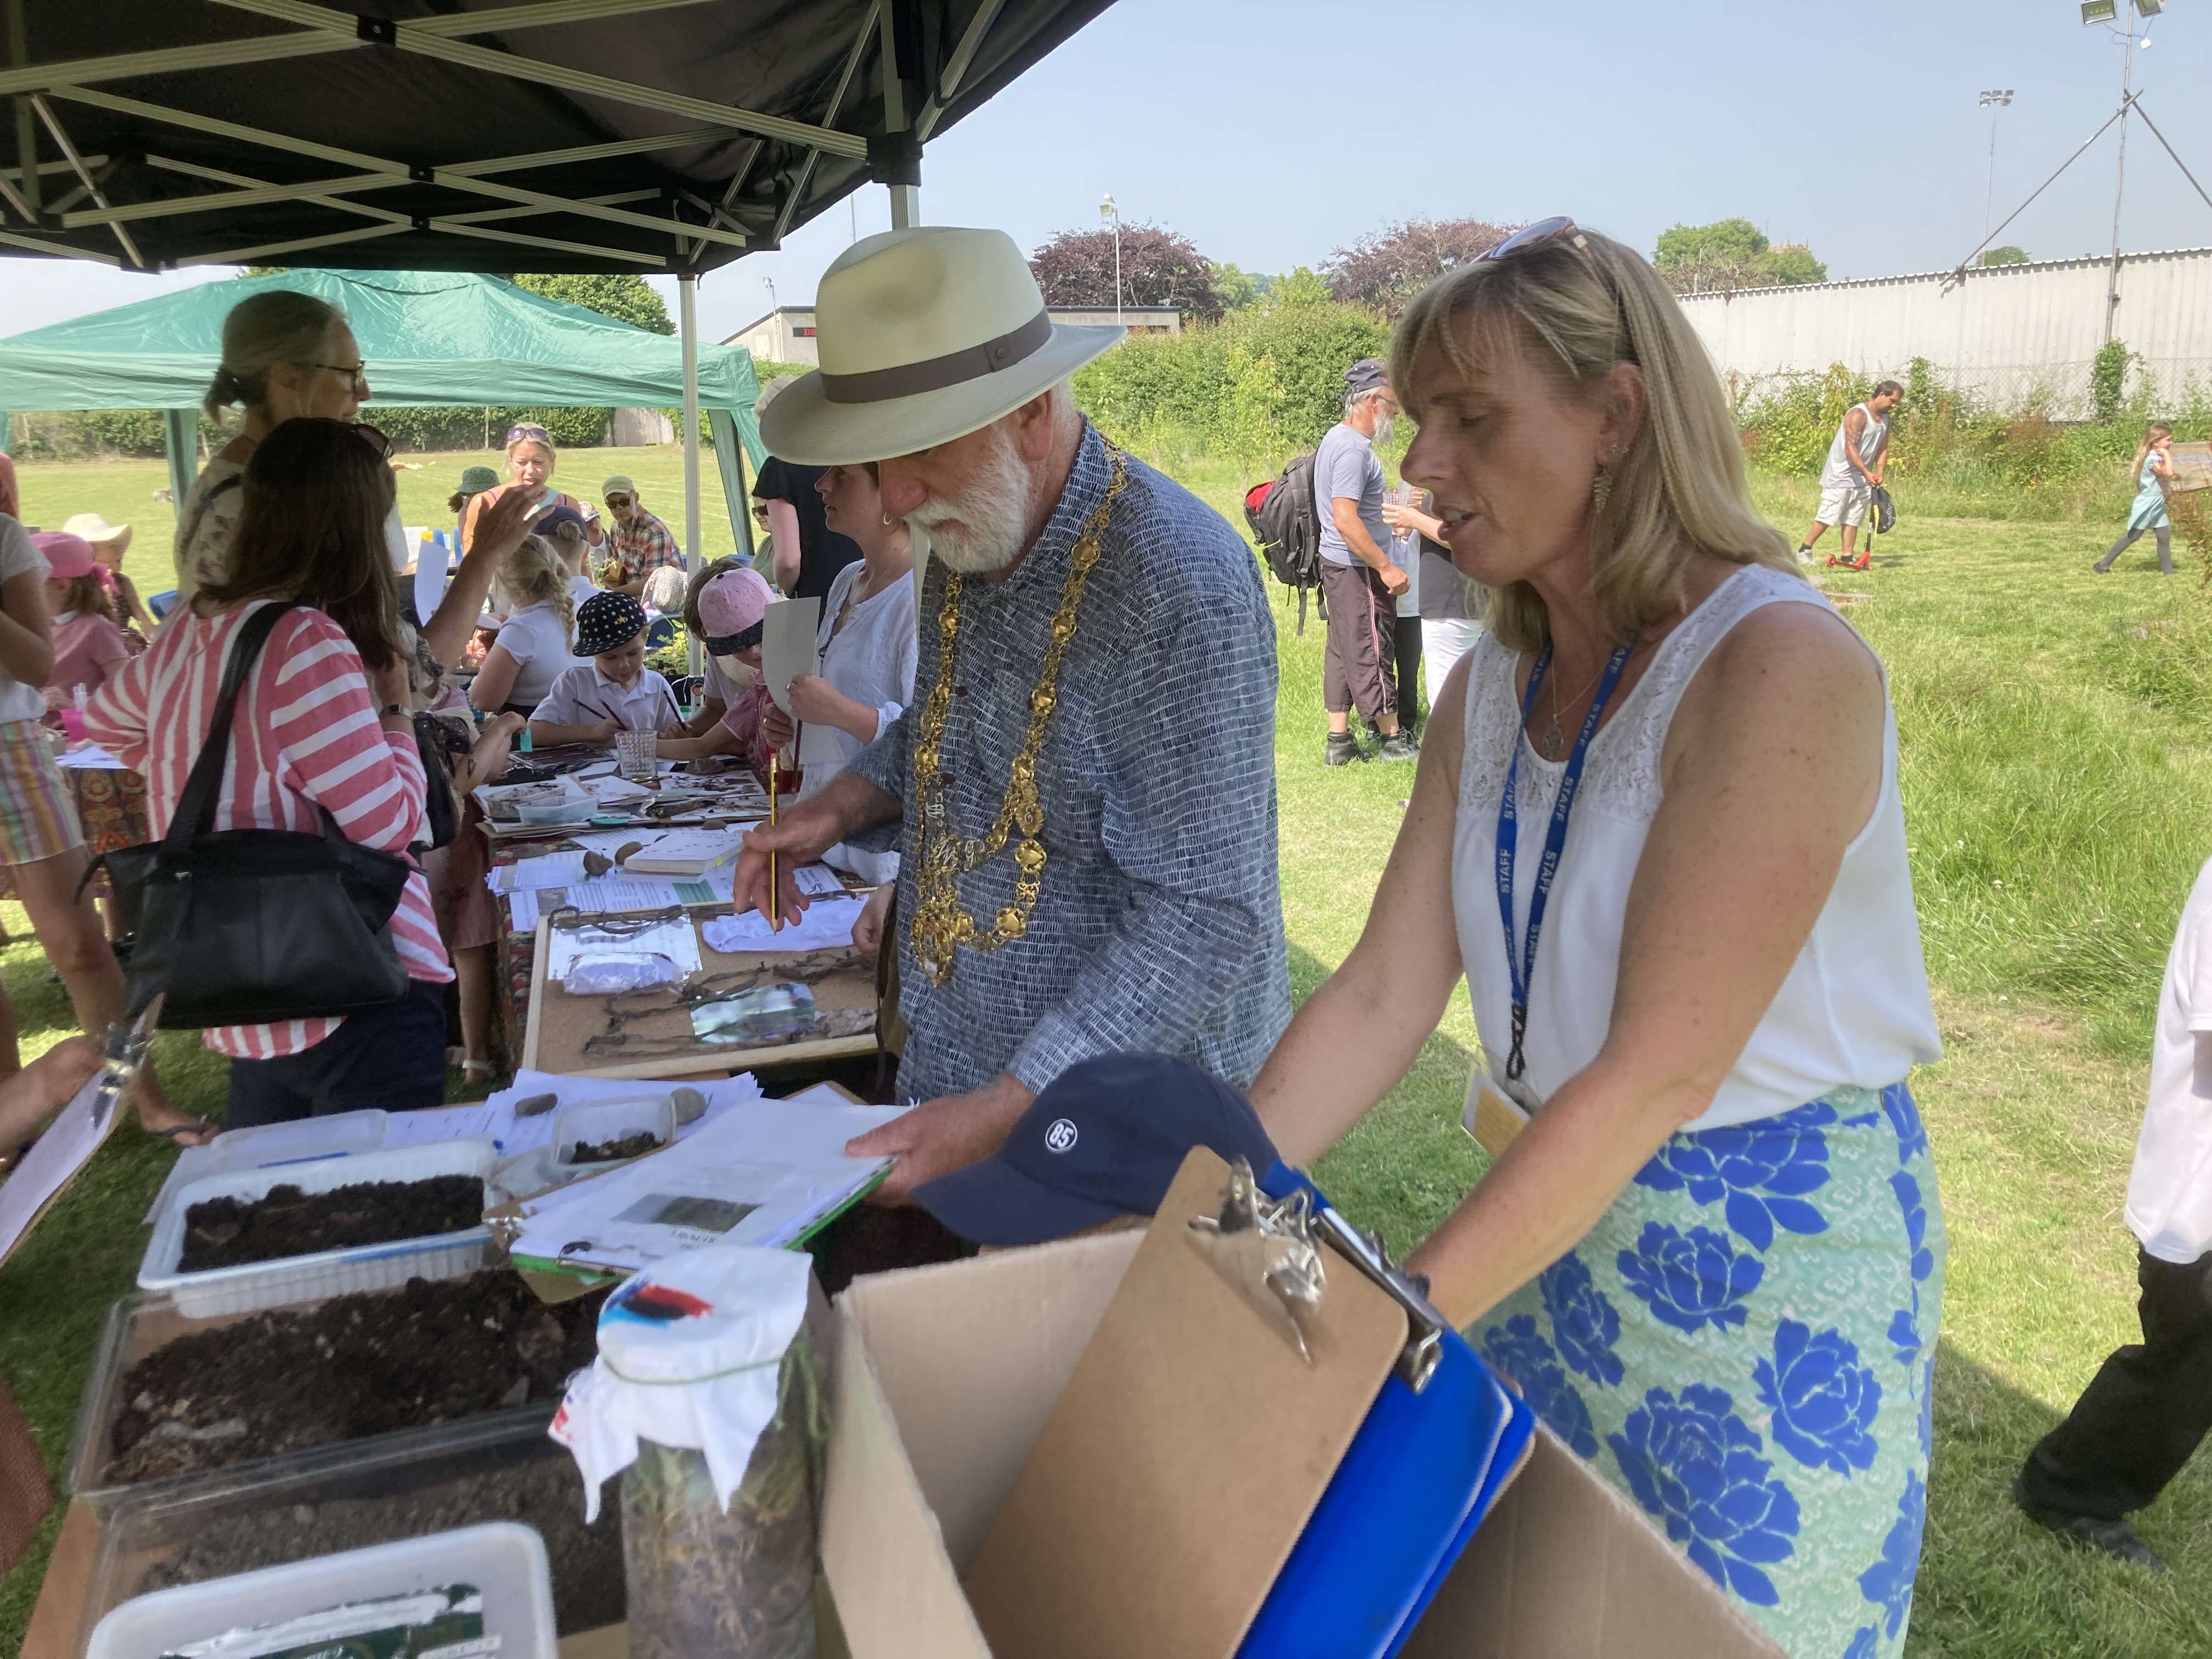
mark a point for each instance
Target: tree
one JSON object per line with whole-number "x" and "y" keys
{"x": 1299, "y": 288}
{"x": 1159, "y": 268}
{"x": 1236, "y": 289}
{"x": 1730, "y": 254}
{"x": 2006, "y": 255}
{"x": 625, "y": 298}
{"x": 1386, "y": 270}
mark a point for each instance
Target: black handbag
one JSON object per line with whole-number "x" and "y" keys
{"x": 252, "y": 926}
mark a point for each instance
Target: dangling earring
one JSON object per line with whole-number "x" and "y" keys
{"x": 1601, "y": 485}
{"x": 889, "y": 522}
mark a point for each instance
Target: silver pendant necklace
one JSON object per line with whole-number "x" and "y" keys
{"x": 1553, "y": 743}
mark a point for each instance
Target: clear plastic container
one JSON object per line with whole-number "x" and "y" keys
{"x": 704, "y": 1584}
{"x": 495, "y": 1467}
{"x": 326, "y": 1272}
{"x": 503, "y": 1562}
{"x": 598, "y": 1121}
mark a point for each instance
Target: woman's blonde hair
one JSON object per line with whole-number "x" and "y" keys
{"x": 1678, "y": 488}
{"x": 545, "y": 443}
{"x": 264, "y": 330}
{"x": 535, "y": 571}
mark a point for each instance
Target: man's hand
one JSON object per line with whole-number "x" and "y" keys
{"x": 942, "y": 1135}
{"x": 1395, "y": 580}
{"x": 806, "y": 832}
{"x": 868, "y": 927}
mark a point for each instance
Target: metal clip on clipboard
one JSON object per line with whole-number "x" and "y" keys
{"x": 1268, "y": 1251}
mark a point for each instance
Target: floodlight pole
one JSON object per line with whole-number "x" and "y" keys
{"x": 2120, "y": 179}
{"x": 1993, "y": 101}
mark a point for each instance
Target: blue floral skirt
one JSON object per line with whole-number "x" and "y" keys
{"x": 1745, "y": 1345}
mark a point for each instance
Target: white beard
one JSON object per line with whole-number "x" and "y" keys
{"x": 983, "y": 528}
{"x": 1384, "y": 429}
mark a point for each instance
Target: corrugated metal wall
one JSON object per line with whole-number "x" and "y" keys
{"x": 2012, "y": 336}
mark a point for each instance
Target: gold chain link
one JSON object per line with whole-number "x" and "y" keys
{"x": 942, "y": 855}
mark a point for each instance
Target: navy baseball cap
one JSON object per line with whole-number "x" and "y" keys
{"x": 1105, "y": 1140}
{"x": 551, "y": 523}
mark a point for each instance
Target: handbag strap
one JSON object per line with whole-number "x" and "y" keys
{"x": 195, "y": 814}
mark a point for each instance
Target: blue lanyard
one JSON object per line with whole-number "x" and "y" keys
{"x": 1521, "y": 964}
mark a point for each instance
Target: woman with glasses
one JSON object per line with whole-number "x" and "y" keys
{"x": 530, "y": 461}
{"x": 1657, "y": 826}
{"x": 285, "y": 356}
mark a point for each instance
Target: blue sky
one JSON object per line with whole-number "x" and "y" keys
{"x": 1271, "y": 132}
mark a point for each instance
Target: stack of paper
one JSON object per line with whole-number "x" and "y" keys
{"x": 769, "y": 1174}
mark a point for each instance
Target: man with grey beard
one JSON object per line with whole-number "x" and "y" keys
{"x": 1083, "y": 787}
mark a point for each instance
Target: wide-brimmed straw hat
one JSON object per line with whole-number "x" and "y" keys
{"x": 109, "y": 539}
{"x": 925, "y": 335}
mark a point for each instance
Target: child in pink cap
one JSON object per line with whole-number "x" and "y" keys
{"x": 89, "y": 647}
{"x": 731, "y": 609}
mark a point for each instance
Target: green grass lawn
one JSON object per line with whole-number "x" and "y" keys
{"x": 2059, "y": 797}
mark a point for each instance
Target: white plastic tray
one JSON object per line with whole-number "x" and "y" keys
{"x": 504, "y": 1559}
{"x": 611, "y": 1120}
{"x": 299, "y": 1140}
{"x": 327, "y": 1272}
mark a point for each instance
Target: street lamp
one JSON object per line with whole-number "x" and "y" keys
{"x": 1112, "y": 215}
{"x": 1992, "y": 101}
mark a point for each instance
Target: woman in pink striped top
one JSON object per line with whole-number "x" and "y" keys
{"x": 323, "y": 722}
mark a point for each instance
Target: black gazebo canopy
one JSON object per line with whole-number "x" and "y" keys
{"x": 648, "y": 136}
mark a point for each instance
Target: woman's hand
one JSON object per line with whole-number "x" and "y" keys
{"x": 776, "y": 729}
{"x": 816, "y": 701}
{"x": 1402, "y": 517}
{"x": 501, "y": 527}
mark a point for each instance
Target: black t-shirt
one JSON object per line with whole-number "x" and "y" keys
{"x": 822, "y": 551}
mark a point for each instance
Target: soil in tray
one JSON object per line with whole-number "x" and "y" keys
{"x": 230, "y": 1232}
{"x": 541, "y": 1490}
{"x": 361, "y": 1365}
{"x": 599, "y": 1152}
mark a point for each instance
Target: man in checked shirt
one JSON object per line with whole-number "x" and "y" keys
{"x": 637, "y": 543}
{"x": 1131, "y": 904}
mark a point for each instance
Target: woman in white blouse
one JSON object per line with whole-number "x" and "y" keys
{"x": 866, "y": 643}
{"x": 1657, "y": 826}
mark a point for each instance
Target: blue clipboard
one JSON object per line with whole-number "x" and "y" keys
{"x": 1437, "y": 1448}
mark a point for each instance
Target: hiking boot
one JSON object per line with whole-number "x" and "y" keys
{"x": 2115, "y": 1538}
{"x": 1342, "y": 750}
{"x": 1398, "y": 746}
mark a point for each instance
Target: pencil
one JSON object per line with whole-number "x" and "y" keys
{"x": 774, "y": 898}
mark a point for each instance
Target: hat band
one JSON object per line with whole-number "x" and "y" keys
{"x": 879, "y": 386}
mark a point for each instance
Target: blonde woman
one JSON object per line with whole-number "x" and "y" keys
{"x": 1655, "y": 824}
{"x": 531, "y": 458}
{"x": 2152, "y": 469}
{"x": 285, "y": 356}
{"x": 534, "y": 643}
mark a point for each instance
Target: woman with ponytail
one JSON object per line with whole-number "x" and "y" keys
{"x": 285, "y": 354}
{"x": 534, "y": 644}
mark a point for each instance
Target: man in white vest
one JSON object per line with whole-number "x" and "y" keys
{"x": 1847, "y": 481}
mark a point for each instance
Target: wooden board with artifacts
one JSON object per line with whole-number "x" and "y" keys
{"x": 654, "y": 1032}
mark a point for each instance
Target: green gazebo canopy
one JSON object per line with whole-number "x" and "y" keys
{"x": 429, "y": 338}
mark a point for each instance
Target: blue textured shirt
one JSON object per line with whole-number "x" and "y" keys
{"x": 1158, "y": 926}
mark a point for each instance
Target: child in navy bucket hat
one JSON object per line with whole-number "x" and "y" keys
{"x": 613, "y": 692}
{"x": 1104, "y": 1140}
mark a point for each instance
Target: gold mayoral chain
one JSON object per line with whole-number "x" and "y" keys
{"x": 943, "y": 855}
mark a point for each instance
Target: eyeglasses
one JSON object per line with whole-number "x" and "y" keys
{"x": 1542, "y": 234}
{"x": 357, "y": 372}
{"x": 517, "y": 434}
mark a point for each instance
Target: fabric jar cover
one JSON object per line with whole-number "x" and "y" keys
{"x": 690, "y": 1356}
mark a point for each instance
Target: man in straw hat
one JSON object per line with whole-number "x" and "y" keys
{"x": 1083, "y": 786}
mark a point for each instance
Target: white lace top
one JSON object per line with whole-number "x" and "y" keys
{"x": 1854, "y": 1008}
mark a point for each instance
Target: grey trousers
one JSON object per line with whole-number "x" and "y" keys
{"x": 2165, "y": 534}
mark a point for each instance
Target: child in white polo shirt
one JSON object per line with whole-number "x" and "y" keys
{"x": 613, "y": 692}
{"x": 2144, "y": 1413}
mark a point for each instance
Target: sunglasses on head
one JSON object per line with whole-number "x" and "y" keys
{"x": 376, "y": 441}
{"x": 1543, "y": 234}
{"x": 537, "y": 434}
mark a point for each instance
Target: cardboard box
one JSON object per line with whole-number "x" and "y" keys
{"x": 947, "y": 1377}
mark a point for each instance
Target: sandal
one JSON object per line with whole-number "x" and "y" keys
{"x": 197, "y": 1126}
{"x": 478, "y": 1071}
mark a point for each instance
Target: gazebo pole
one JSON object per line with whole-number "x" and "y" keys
{"x": 687, "y": 289}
